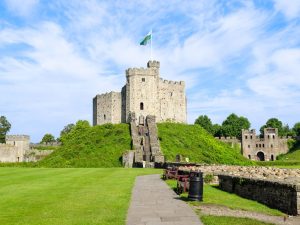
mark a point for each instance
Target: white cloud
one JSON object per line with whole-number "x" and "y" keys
{"x": 290, "y": 8}
{"x": 21, "y": 7}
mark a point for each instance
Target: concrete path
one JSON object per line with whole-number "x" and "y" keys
{"x": 154, "y": 203}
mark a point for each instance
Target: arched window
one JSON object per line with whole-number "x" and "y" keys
{"x": 249, "y": 156}
{"x": 141, "y": 106}
{"x": 104, "y": 117}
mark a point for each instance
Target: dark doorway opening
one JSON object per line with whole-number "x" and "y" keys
{"x": 261, "y": 156}
{"x": 272, "y": 157}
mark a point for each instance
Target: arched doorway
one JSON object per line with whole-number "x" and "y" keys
{"x": 261, "y": 156}
{"x": 272, "y": 157}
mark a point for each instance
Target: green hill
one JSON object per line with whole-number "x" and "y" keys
{"x": 197, "y": 144}
{"x": 91, "y": 146}
{"x": 103, "y": 146}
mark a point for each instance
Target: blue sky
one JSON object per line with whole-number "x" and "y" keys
{"x": 235, "y": 56}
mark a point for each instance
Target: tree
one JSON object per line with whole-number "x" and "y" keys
{"x": 4, "y": 128}
{"x": 275, "y": 123}
{"x": 233, "y": 125}
{"x": 48, "y": 138}
{"x": 206, "y": 123}
{"x": 67, "y": 129}
{"x": 217, "y": 130}
{"x": 296, "y": 129}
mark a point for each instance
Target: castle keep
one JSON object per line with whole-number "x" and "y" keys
{"x": 144, "y": 93}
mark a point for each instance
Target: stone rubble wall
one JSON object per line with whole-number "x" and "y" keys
{"x": 255, "y": 172}
{"x": 35, "y": 155}
{"x": 279, "y": 195}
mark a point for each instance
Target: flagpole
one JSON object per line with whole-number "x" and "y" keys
{"x": 151, "y": 46}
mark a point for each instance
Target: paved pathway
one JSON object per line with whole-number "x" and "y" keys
{"x": 154, "y": 203}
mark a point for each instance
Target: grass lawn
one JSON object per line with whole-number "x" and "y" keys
{"x": 213, "y": 195}
{"x": 226, "y": 220}
{"x": 39, "y": 196}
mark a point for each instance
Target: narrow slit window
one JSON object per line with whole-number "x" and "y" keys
{"x": 104, "y": 117}
{"x": 141, "y": 106}
{"x": 143, "y": 79}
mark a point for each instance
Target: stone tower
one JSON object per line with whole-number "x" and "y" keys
{"x": 142, "y": 90}
{"x": 144, "y": 93}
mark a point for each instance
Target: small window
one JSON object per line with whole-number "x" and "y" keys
{"x": 143, "y": 79}
{"x": 246, "y": 137}
{"x": 256, "y": 145}
{"x": 271, "y": 145}
{"x": 268, "y": 136}
{"x": 260, "y": 145}
{"x": 263, "y": 145}
{"x": 251, "y": 137}
{"x": 104, "y": 117}
{"x": 141, "y": 106}
{"x": 273, "y": 136}
{"x": 248, "y": 146}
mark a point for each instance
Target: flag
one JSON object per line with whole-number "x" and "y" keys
{"x": 146, "y": 39}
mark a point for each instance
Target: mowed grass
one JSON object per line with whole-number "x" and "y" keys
{"x": 213, "y": 195}
{"x": 226, "y": 220}
{"x": 74, "y": 196}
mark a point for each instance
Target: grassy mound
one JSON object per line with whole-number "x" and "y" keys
{"x": 103, "y": 146}
{"x": 197, "y": 144}
{"x": 87, "y": 146}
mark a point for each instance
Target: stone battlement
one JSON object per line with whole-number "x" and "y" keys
{"x": 226, "y": 138}
{"x": 153, "y": 63}
{"x": 179, "y": 83}
{"x": 17, "y": 138}
{"x": 108, "y": 93}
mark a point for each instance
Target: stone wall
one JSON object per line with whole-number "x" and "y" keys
{"x": 107, "y": 108}
{"x": 276, "y": 194}
{"x": 172, "y": 101}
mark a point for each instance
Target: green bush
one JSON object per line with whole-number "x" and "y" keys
{"x": 208, "y": 178}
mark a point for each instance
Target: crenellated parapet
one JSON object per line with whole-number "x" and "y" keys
{"x": 17, "y": 138}
{"x": 170, "y": 82}
{"x": 153, "y": 64}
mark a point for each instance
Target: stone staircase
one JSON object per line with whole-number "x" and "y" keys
{"x": 145, "y": 144}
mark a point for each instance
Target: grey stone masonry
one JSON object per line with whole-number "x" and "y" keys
{"x": 154, "y": 203}
{"x": 284, "y": 196}
{"x": 145, "y": 143}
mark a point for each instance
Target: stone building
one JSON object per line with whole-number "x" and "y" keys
{"x": 263, "y": 149}
{"x": 144, "y": 93}
{"x": 15, "y": 148}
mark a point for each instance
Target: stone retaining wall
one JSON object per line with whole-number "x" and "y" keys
{"x": 279, "y": 195}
